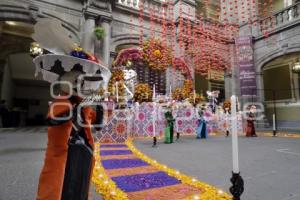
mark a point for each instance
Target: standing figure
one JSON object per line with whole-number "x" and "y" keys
{"x": 202, "y": 131}
{"x": 4, "y": 112}
{"x": 250, "y": 131}
{"x": 69, "y": 160}
{"x": 227, "y": 113}
{"x": 213, "y": 99}
{"x": 169, "y": 130}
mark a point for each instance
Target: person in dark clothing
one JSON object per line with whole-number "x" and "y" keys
{"x": 4, "y": 112}
{"x": 250, "y": 132}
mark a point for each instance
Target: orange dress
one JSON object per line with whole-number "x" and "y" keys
{"x": 52, "y": 175}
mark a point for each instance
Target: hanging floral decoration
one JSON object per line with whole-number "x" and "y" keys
{"x": 157, "y": 55}
{"x": 180, "y": 64}
{"x": 142, "y": 93}
{"x": 99, "y": 32}
{"x": 119, "y": 78}
{"x": 127, "y": 56}
{"x": 212, "y": 61}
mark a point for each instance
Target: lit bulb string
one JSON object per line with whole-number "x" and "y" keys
{"x": 103, "y": 184}
{"x": 109, "y": 190}
{"x": 209, "y": 192}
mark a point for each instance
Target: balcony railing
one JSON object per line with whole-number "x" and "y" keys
{"x": 130, "y": 3}
{"x": 281, "y": 18}
{"x": 156, "y": 5}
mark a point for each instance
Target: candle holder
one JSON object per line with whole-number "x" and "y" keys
{"x": 154, "y": 141}
{"x": 237, "y": 187}
{"x": 177, "y": 135}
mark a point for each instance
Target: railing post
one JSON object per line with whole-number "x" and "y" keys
{"x": 274, "y": 113}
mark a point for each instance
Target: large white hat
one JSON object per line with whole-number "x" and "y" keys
{"x": 54, "y": 38}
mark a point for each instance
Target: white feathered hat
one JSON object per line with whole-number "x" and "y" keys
{"x": 50, "y": 35}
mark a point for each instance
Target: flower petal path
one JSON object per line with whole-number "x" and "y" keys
{"x": 124, "y": 173}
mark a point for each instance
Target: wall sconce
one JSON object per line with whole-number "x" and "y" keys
{"x": 296, "y": 66}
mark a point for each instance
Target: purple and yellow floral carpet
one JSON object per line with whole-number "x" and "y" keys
{"x": 122, "y": 172}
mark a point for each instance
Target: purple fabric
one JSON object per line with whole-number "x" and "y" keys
{"x": 114, "y": 152}
{"x": 122, "y": 163}
{"x": 112, "y": 145}
{"x": 138, "y": 182}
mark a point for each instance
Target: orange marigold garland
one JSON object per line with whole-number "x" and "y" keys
{"x": 156, "y": 55}
{"x": 117, "y": 76}
{"x": 142, "y": 93}
{"x": 184, "y": 92}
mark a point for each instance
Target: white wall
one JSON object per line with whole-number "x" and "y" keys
{"x": 34, "y": 92}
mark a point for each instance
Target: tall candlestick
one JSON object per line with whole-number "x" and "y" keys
{"x": 235, "y": 153}
{"x": 117, "y": 91}
{"x": 154, "y": 119}
{"x": 274, "y": 123}
{"x": 153, "y": 125}
{"x": 154, "y": 93}
{"x": 194, "y": 96}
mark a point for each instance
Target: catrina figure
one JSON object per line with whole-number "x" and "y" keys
{"x": 250, "y": 131}
{"x": 202, "y": 131}
{"x": 227, "y": 113}
{"x": 69, "y": 160}
{"x": 169, "y": 130}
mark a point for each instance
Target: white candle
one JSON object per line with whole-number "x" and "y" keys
{"x": 154, "y": 118}
{"x": 194, "y": 96}
{"x": 274, "y": 123}
{"x": 154, "y": 93}
{"x": 235, "y": 153}
{"x": 117, "y": 91}
{"x": 170, "y": 90}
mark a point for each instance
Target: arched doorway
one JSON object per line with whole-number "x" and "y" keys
{"x": 25, "y": 96}
{"x": 281, "y": 89}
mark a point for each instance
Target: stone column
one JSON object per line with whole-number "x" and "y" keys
{"x": 105, "y": 23}
{"x": 260, "y": 86}
{"x": 228, "y": 85}
{"x": 7, "y": 85}
{"x": 88, "y": 37}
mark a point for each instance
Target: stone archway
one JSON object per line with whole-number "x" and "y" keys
{"x": 10, "y": 11}
{"x": 19, "y": 87}
{"x": 265, "y": 59}
{"x": 125, "y": 39}
{"x": 280, "y": 87}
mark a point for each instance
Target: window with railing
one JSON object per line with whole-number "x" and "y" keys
{"x": 135, "y": 3}
{"x": 130, "y": 3}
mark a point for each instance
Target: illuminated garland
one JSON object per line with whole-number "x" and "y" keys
{"x": 103, "y": 184}
{"x": 209, "y": 192}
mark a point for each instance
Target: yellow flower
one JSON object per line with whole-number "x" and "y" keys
{"x": 157, "y": 53}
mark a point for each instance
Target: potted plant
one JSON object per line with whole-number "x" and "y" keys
{"x": 99, "y": 32}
